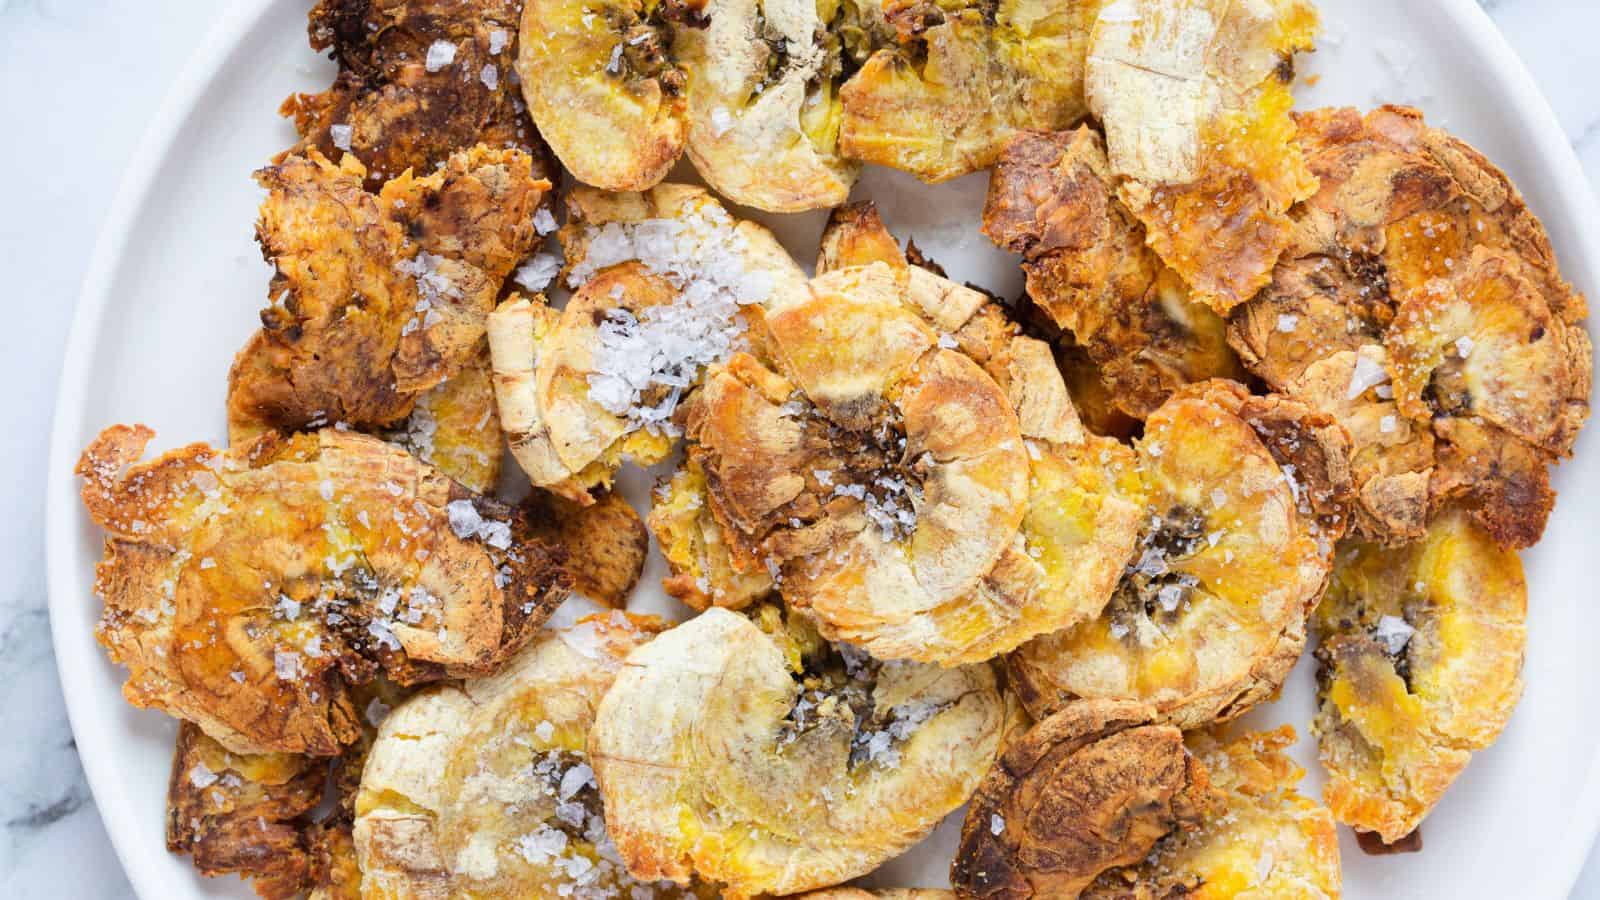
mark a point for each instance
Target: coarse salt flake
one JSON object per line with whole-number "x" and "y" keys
{"x": 537, "y": 273}
{"x": 341, "y": 135}
{"x": 440, "y": 54}
{"x": 1366, "y": 374}
{"x": 544, "y": 221}
{"x": 1393, "y": 633}
{"x": 201, "y": 776}
{"x": 286, "y": 664}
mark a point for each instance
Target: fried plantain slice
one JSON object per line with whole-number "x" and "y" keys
{"x": 703, "y": 572}
{"x": 247, "y": 591}
{"x": 1242, "y": 499}
{"x": 1420, "y": 666}
{"x": 663, "y": 279}
{"x": 605, "y": 543}
{"x": 1054, "y": 570}
{"x": 884, "y": 476}
{"x": 455, "y": 427}
{"x": 484, "y": 789}
{"x": 1053, "y": 200}
{"x": 418, "y": 80}
{"x": 962, "y": 78}
{"x": 848, "y": 893}
{"x": 1194, "y": 96}
{"x": 1263, "y": 839}
{"x": 756, "y": 756}
{"x": 603, "y": 86}
{"x": 1417, "y": 261}
{"x": 377, "y": 297}
{"x": 1091, "y": 787}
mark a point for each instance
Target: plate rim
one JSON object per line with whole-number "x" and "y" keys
{"x": 1552, "y": 149}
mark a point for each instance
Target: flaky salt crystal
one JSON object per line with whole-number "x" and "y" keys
{"x": 543, "y": 221}
{"x": 1393, "y": 633}
{"x": 440, "y": 54}
{"x": 576, "y": 779}
{"x": 286, "y": 665}
{"x": 202, "y": 777}
{"x": 1366, "y": 374}
{"x": 537, "y": 273}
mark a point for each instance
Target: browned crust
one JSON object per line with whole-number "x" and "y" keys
{"x": 1090, "y": 788}
{"x": 606, "y": 543}
{"x": 1052, "y": 200}
{"x": 251, "y": 820}
{"x": 1410, "y": 225}
{"x": 1294, "y": 435}
{"x": 400, "y": 115}
{"x": 352, "y": 334}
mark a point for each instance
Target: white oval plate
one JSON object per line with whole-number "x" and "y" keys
{"x": 176, "y": 281}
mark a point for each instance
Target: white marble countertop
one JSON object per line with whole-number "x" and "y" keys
{"x": 93, "y": 71}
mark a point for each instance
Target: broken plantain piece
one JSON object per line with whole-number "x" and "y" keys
{"x": 455, "y": 427}
{"x": 1242, "y": 498}
{"x": 244, "y": 813}
{"x": 1052, "y": 199}
{"x": 755, "y": 756}
{"x": 605, "y": 543}
{"x": 1263, "y": 839}
{"x": 418, "y": 80}
{"x": 602, "y": 84}
{"x": 662, "y": 281}
{"x": 962, "y": 78}
{"x": 856, "y": 236}
{"x": 697, "y": 552}
{"x": 1090, "y": 787}
{"x": 485, "y": 790}
{"x": 377, "y": 297}
{"x": 1194, "y": 96}
{"x": 848, "y": 893}
{"x": 260, "y": 815}
{"x": 248, "y": 591}
{"x": 1420, "y": 666}
{"x": 1420, "y": 303}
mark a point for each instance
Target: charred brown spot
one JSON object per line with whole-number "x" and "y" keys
{"x": 1373, "y": 845}
{"x": 1284, "y": 70}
